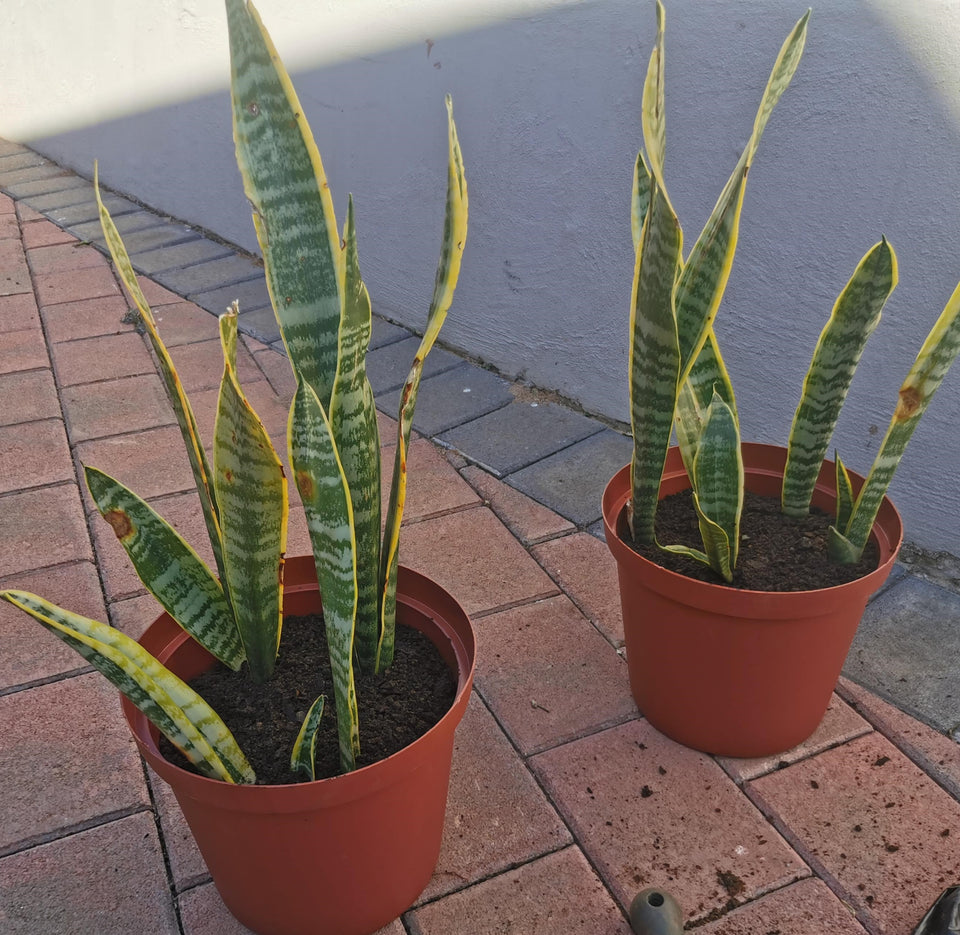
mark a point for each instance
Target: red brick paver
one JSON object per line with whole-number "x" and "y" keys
{"x": 866, "y": 816}
{"x": 61, "y": 769}
{"x": 532, "y": 893}
{"x": 549, "y": 676}
{"x": 648, "y": 812}
{"x": 584, "y": 568}
{"x": 108, "y": 880}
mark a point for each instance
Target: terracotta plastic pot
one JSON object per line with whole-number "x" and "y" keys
{"x": 339, "y": 856}
{"x": 728, "y": 671}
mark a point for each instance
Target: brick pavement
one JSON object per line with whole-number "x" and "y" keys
{"x": 564, "y": 801}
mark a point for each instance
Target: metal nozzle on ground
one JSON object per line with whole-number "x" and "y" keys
{"x": 654, "y": 912}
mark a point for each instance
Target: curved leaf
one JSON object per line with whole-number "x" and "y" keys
{"x": 175, "y": 708}
{"x": 169, "y": 569}
{"x": 844, "y": 493}
{"x": 178, "y": 397}
{"x": 448, "y": 272}
{"x": 303, "y": 758}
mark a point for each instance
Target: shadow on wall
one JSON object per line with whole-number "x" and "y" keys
{"x": 862, "y": 144}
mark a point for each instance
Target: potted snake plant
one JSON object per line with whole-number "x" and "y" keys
{"x": 342, "y": 855}
{"x": 717, "y": 661}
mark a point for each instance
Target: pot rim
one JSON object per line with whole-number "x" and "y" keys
{"x": 759, "y": 460}
{"x": 291, "y": 797}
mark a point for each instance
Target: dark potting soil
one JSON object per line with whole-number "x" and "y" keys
{"x": 777, "y": 552}
{"x": 395, "y": 707}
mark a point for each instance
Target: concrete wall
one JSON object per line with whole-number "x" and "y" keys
{"x": 865, "y": 142}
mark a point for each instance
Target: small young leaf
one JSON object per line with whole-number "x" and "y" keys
{"x": 304, "y": 754}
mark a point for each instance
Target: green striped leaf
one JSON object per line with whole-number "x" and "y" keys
{"x": 707, "y": 269}
{"x": 353, "y": 418}
{"x": 718, "y": 486}
{"x": 654, "y": 358}
{"x": 844, "y": 493}
{"x": 454, "y": 237}
{"x": 390, "y": 552}
{"x": 653, "y": 111}
{"x": 252, "y": 492}
{"x": 640, "y": 200}
{"x": 292, "y": 208}
{"x": 704, "y": 277}
{"x": 715, "y": 541}
{"x": 780, "y": 76}
{"x": 303, "y": 758}
{"x": 448, "y": 272}
{"x": 839, "y": 349}
{"x": 175, "y": 708}
{"x": 934, "y": 359}
{"x": 694, "y": 397}
{"x": 326, "y": 502}
{"x": 169, "y": 569}
{"x": 178, "y": 397}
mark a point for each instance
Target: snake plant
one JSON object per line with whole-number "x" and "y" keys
{"x": 324, "y": 313}
{"x": 678, "y": 381}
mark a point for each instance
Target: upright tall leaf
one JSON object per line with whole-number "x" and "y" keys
{"x": 653, "y": 109}
{"x": 839, "y": 349}
{"x": 640, "y": 199}
{"x": 169, "y": 569}
{"x": 934, "y": 359}
{"x": 353, "y": 418}
{"x": 707, "y": 269}
{"x": 654, "y": 359}
{"x": 178, "y": 398}
{"x": 448, "y": 272}
{"x": 252, "y": 491}
{"x": 176, "y": 709}
{"x": 292, "y": 209}
{"x": 326, "y": 503}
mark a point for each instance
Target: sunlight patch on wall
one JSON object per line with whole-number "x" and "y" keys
{"x": 134, "y": 56}
{"x": 929, "y": 31}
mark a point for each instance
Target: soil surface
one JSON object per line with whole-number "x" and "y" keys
{"x": 777, "y": 552}
{"x": 395, "y": 707}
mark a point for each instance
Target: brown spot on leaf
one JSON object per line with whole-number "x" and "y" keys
{"x": 908, "y": 403}
{"x": 305, "y": 485}
{"x": 228, "y": 476}
{"x": 254, "y": 109}
{"x": 120, "y": 523}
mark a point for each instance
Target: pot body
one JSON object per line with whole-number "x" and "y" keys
{"x": 734, "y": 672}
{"x": 338, "y": 856}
